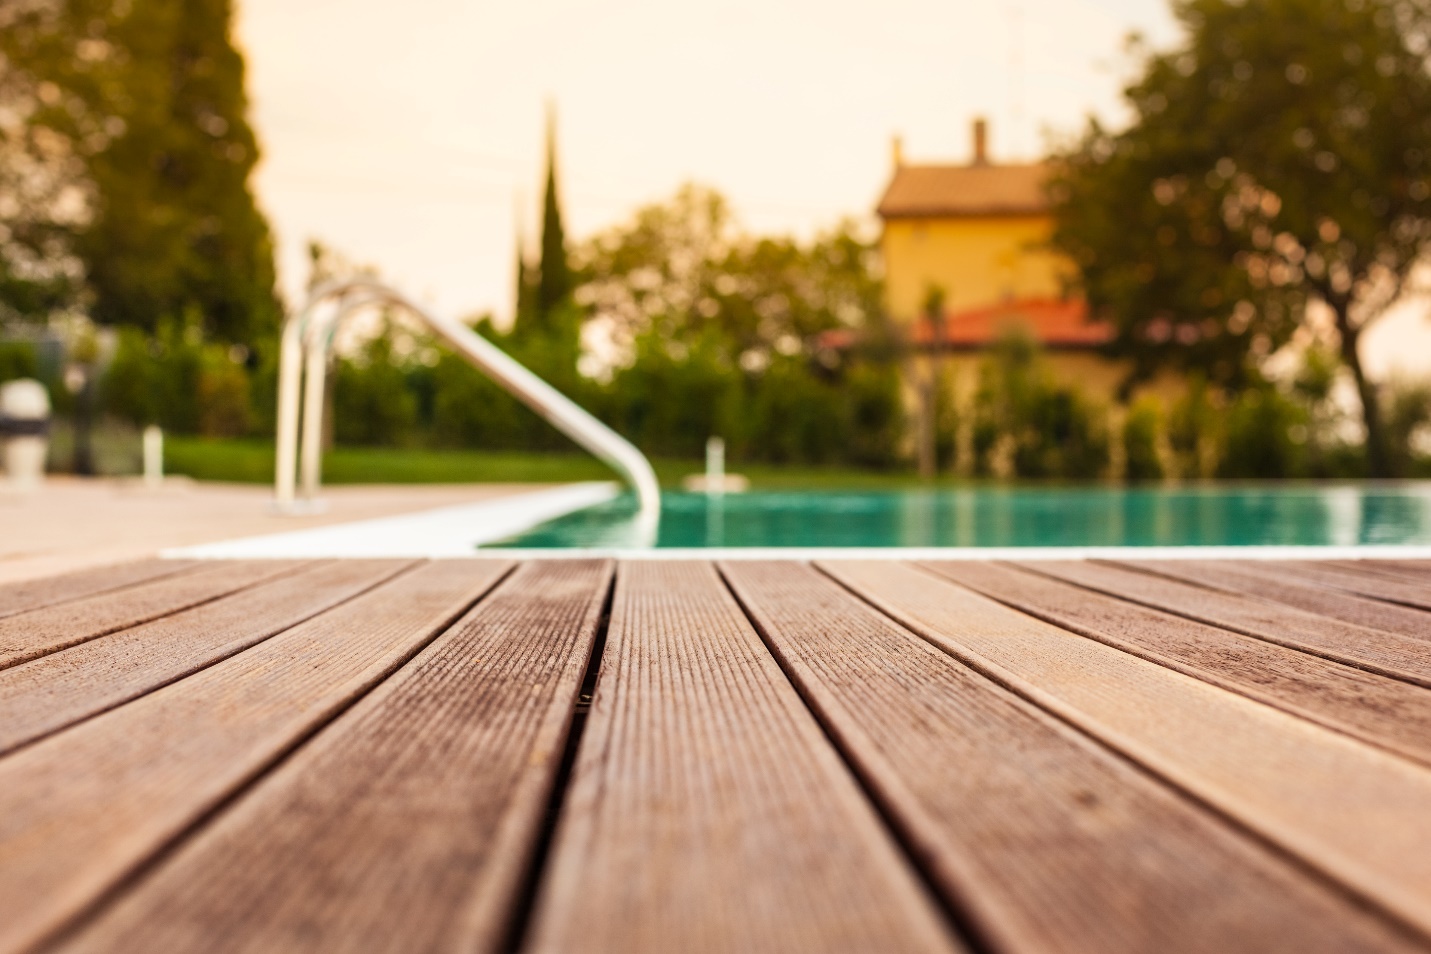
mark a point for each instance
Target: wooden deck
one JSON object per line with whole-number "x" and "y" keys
{"x": 681, "y": 756}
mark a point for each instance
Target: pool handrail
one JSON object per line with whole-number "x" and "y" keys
{"x": 308, "y": 335}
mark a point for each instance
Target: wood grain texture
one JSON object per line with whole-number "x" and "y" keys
{"x": 1043, "y": 840}
{"x": 47, "y": 591}
{"x": 1349, "y": 810}
{"x": 49, "y": 693}
{"x": 707, "y": 810}
{"x": 1311, "y": 597}
{"x": 27, "y": 636}
{"x": 1376, "y": 709}
{"x": 1352, "y": 578}
{"x": 1418, "y": 571}
{"x": 1390, "y": 654}
{"x": 82, "y": 809}
{"x": 424, "y": 799}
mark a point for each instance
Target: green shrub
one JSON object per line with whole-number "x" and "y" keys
{"x": 1140, "y": 440}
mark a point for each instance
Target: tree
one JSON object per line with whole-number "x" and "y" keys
{"x": 554, "y": 283}
{"x": 1280, "y": 156}
{"x": 148, "y": 99}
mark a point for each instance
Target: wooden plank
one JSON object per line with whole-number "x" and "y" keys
{"x": 54, "y": 691}
{"x": 1338, "y": 604}
{"x": 1044, "y": 840}
{"x": 1382, "y": 711}
{"x": 1351, "y": 811}
{"x": 1355, "y": 580}
{"x": 707, "y": 810}
{"x": 1416, "y": 570}
{"x": 34, "y": 594}
{"x": 82, "y": 809}
{"x": 425, "y": 798}
{"x": 1391, "y": 654}
{"x": 27, "y": 636}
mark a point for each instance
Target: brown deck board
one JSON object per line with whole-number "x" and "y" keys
{"x": 424, "y": 799}
{"x": 1313, "y": 598}
{"x": 83, "y": 808}
{"x": 1353, "y": 812}
{"x": 1044, "y": 840}
{"x": 1352, "y": 577}
{"x": 1391, "y": 654}
{"x": 1377, "y": 709}
{"x": 29, "y": 635}
{"x": 707, "y": 811}
{"x": 51, "y": 692}
{"x": 47, "y": 591}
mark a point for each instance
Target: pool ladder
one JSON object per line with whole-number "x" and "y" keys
{"x": 304, "y": 349}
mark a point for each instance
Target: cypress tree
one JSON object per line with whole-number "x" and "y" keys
{"x": 555, "y": 283}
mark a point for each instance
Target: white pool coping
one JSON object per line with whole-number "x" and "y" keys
{"x": 463, "y": 531}
{"x": 1368, "y": 552}
{"x": 454, "y": 531}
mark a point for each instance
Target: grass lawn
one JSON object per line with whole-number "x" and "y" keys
{"x": 252, "y": 462}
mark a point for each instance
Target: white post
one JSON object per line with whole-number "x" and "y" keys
{"x": 290, "y": 383}
{"x": 312, "y": 454}
{"x": 153, "y": 457}
{"x": 715, "y": 465}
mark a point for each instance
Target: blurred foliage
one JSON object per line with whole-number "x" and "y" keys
{"x": 124, "y": 127}
{"x": 1280, "y": 154}
{"x": 1141, "y": 431}
{"x": 1026, "y": 425}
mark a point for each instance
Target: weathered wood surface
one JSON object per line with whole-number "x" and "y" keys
{"x": 1342, "y": 807}
{"x": 83, "y": 808}
{"x": 1247, "y": 578}
{"x": 707, "y": 811}
{"x": 47, "y": 591}
{"x": 1383, "y": 711}
{"x": 408, "y": 823}
{"x": 51, "y": 692}
{"x": 1391, "y": 654}
{"x": 32, "y": 634}
{"x": 392, "y": 756}
{"x": 1352, "y": 577}
{"x": 1041, "y": 839}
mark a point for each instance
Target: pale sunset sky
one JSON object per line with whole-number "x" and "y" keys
{"x": 408, "y": 135}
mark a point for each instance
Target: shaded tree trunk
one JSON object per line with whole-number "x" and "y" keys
{"x": 1378, "y": 460}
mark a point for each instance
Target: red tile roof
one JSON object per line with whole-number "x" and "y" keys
{"x": 974, "y": 190}
{"x": 1054, "y": 323}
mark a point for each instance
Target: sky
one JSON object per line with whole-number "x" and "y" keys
{"x": 408, "y": 134}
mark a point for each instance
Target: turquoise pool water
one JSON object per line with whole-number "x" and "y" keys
{"x": 1247, "y": 515}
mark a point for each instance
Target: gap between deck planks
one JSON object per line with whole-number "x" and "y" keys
{"x": 707, "y": 810}
{"x": 1042, "y": 839}
{"x": 1344, "y": 808}
{"x": 1253, "y": 579}
{"x": 35, "y": 633}
{"x": 122, "y": 786}
{"x": 48, "y": 591}
{"x": 1386, "y": 712}
{"x": 1390, "y": 654}
{"x": 51, "y": 692}
{"x": 424, "y": 798}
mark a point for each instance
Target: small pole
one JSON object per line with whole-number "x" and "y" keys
{"x": 715, "y": 465}
{"x": 153, "y": 457}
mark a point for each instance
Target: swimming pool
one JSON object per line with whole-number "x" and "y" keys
{"x": 1339, "y": 515}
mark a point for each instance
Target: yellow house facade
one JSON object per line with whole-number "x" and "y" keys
{"x": 976, "y": 234}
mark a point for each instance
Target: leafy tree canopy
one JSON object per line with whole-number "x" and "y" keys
{"x": 1281, "y": 155}
{"x": 135, "y": 112}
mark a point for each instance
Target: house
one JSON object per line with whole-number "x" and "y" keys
{"x": 975, "y": 235}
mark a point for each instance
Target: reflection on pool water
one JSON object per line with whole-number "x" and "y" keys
{"x": 1240, "y": 515}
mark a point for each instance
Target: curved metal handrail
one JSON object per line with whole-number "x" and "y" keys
{"x": 309, "y": 335}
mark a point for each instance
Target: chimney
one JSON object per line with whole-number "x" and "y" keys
{"x": 981, "y": 142}
{"x": 897, "y": 151}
